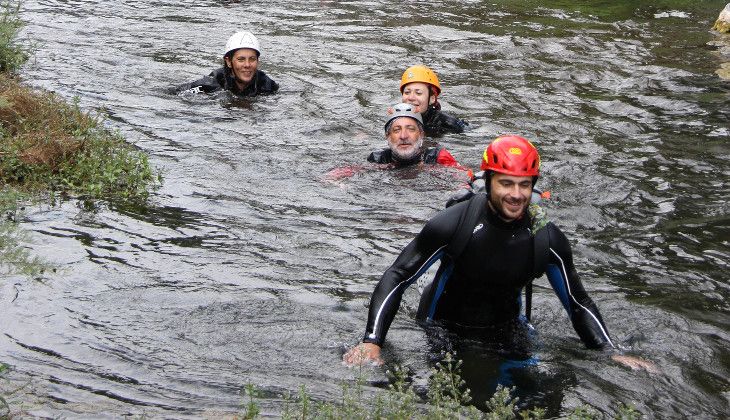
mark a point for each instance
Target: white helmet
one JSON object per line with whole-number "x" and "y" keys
{"x": 402, "y": 110}
{"x": 242, "y": 39}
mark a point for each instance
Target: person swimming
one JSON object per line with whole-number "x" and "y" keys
{"x": 420, "y": 87}
{"x": 239, "y": 75}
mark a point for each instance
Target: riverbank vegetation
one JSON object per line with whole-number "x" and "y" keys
{"x": 446, "y": 398}
{"x": 50, "y": 148}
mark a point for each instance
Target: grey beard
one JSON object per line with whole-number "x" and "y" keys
{"x": 406, "y": 157}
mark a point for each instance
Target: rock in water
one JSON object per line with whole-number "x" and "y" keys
{"x": 723, "y": 21}
{"x": 724, "y": 71}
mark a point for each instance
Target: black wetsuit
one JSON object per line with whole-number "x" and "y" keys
{"x": 482, "y": 288}
{"x": 429, "y": 156}
{"x": 222, "y": 79}
{"x": 437, "y": 122}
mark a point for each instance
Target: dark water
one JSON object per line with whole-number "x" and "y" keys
{"x": 248, "y": 266}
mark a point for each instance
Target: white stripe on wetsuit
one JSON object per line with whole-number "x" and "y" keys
{"x": 567, "y": 287}
{"x": 418, "y": 274}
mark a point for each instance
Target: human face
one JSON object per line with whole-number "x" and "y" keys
{"x": 419, "y": 95}
{"x": 405, "y": 138}
{"x": 510, "y": 195}
{"x": 244, "y": 63}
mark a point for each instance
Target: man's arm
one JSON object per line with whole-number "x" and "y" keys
{"x": 564, "y": 279}
{"x": 583, "y": 312}
{"x": 414, "y": 260}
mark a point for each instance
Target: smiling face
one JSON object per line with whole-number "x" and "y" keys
{"x": 509, "y": 195}
{"x": 419, "y": 95}
{"x": 243, "y": 62}
{"x": 405, "y": 138}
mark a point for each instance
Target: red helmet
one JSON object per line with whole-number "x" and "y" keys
{"x": 512, "y": 155}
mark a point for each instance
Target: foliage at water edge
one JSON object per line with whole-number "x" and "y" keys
{"x": 447, "y": 397}
{"x": 52, "y": 148}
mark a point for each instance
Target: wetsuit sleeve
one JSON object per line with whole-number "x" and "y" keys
{"x": 445, "y": 158}
{"x": 207, "y": 84}
{"x": 427, "y": 248}
{"x": 583, "y": 313}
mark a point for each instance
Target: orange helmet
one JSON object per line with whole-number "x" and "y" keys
{"x": 512, "y": 155}
{"x": 421, "y": 74}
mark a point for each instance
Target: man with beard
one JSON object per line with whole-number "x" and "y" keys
{"x": 490, "y": 249}
{"x": 404, "y": 133}
{"x": 240, "y": 74}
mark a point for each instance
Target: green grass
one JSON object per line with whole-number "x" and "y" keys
{"x": 47, "y": 144}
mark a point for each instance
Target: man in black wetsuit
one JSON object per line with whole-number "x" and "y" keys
{"x": 240, "y": 74}
{"x": 404, "y": 133}
{"x": 480, "y": 282}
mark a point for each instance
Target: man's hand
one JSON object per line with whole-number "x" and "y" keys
{"x": 635, "y": 363}
{"x": 363, "y": 353}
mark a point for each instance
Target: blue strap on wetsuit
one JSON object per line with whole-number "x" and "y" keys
{"x": 454, "y": 249}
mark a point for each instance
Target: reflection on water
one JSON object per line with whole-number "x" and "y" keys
{"x": 249, "y": 266}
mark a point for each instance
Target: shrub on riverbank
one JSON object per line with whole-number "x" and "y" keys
{"x": 47, "y": 144}
{"x": 50, "y": 147}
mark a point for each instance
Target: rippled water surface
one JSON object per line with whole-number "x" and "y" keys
{"x": 249, "y": 266}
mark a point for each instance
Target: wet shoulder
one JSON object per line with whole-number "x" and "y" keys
{"x": 443, "y": 225}
{"x": 380, "y": 156}
{"x": 265, "y": 83}
{"x": 439, "y": 122}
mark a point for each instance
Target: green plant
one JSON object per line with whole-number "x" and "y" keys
{"x": 4, "y": 406}
{"x": 48, "y": 144}
{"x": 627, "y": 412}
{"x": 251, "y": 410}
{"x": 584, "y": 413}
{"x": 12, "y": 55}
{"x": 5, "y": 394}
{"x": 447, "y": 398}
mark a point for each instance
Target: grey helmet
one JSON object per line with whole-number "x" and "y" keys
{"x": 403, "y": 110}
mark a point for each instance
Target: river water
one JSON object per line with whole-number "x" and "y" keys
{"x": 249, "y": 266}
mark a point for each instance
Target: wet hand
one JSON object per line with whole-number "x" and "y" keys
{"x": 636, "y": 363}
{"x": 363, "y": 353}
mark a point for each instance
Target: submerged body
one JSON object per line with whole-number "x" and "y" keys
{"x": 223, "y": 79}
{"x": 429, "y": 156}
